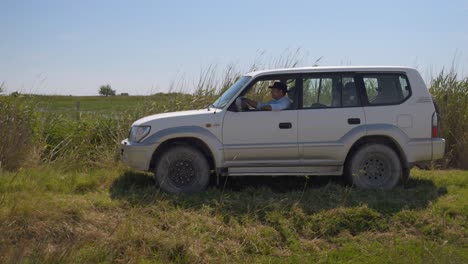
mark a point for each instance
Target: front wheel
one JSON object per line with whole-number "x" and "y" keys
{"x": 375, "y": 166}
{"x": 182, "y": 169}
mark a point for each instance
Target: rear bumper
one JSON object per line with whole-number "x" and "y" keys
{"x": 136, "y": 155}
{"x": 426, "y": 149}
{"x": 437, "y": 152}
{"x": 438, "y": 148}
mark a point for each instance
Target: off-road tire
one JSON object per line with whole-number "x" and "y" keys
{"x": 375, "y": 166}
{"x": 182, "y": 169}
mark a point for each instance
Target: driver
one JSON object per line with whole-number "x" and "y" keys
{"x": 280, "y": 100}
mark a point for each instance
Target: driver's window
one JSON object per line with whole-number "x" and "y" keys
{"x": 260, "y": 91}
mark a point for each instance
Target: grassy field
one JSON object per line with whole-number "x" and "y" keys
{"x": 88, "y": 103}
{"x": 102, "y": 104}
{"x": 65, "y": 196}
{"x": 51, "y": 216}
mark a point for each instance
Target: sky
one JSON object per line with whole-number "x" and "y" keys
{"x": 140, "y": 47}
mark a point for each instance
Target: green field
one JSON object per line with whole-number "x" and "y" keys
{"x": 89, "y": 103}
{"x": 51, "y": 216}
{"x": 102, "y": 104}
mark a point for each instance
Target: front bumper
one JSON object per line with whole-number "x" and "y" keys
{"x": 136, "y": 155}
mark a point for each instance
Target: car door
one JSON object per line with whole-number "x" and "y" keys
{"x": 330, "y": 111}
{"x": 261, "y": 138}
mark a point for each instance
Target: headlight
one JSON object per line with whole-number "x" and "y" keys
{"x": 137, "y": 133}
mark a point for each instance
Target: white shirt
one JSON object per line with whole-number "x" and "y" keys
{"x": 276, "y": 105}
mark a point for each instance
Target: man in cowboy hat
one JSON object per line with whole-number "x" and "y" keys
{"x": 280, "y": 100}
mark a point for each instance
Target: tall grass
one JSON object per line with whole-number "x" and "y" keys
{"x": 18, "y": 133}
{"x": 93, "y": 139}
{"x": 212, "y": 82}
{"x": 451, "y": 94}
{"x": 90, "y": 141}
{"x": 30, "y": 134}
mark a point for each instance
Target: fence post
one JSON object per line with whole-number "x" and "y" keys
{"x": 78, "y": 110}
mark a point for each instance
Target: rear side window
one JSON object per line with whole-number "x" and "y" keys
{"x": 329, "y": 92}
{"x": 385, "y": 89}
{"x": 318, "y": 92}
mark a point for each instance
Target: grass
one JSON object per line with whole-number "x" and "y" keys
{"x": 48, "y": 215}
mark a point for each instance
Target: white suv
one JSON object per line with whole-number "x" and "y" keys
{"x": 370, "y": 124}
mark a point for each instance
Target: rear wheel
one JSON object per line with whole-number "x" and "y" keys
{"x": 182, "y": 169}
{"x": 375, "y": 166}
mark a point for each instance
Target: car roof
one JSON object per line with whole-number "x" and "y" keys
{"x": 332, "y": 69}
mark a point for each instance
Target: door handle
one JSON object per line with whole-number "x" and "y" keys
{"x": 285, "y": 125}
{"x": 354, "y": 121}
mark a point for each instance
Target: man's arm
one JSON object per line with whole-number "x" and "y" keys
{"x": 252, "y": 103}
{"x": 266, "y": 108}
{"x": 278, "y": 105}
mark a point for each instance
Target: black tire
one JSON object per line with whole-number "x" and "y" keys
{"x": 182, "y": 169}
{"x": 375, "y": 166}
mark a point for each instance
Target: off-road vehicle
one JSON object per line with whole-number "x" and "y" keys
{"x": 369, "y": 124}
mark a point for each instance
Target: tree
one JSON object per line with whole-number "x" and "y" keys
{"x": 106, "y": 90}
{"x": 1, "y": 87}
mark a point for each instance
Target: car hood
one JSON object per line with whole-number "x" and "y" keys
{"x": 182, "y": 116}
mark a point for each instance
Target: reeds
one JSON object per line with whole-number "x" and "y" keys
{"x": 451, "y": 95}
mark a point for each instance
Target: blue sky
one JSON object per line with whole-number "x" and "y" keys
{"x": 139, "y": 47}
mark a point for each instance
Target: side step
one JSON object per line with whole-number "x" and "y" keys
{"x": 283, "y": 171}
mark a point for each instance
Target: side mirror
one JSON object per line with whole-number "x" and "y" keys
{"x": 238, "y": 104}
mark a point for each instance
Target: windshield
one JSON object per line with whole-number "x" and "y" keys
{"x": 231, "y": 92}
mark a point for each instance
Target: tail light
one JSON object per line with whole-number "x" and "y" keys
{"x": 435, "y": 125}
